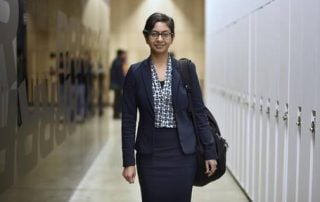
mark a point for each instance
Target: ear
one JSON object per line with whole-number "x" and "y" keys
{"x": 172, "y": 38}
{"x": 146, "y": 39}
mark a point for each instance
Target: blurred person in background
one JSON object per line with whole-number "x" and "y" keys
{"x": 52, "y": 91}
{"x": 100, "y": 77}
{"x": 71, "y": 77}
{"x": 88, "y": 85}
{"x": 61, "y": 76}
{"x": 117, "y": 74}
{"x": 80, "y": 92}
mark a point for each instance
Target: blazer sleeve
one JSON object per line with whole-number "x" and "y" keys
{"x": 201, "y": 119}
{"x": 129, "y": 117}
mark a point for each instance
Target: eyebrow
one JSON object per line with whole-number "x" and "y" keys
{"x": 161, "y": 31}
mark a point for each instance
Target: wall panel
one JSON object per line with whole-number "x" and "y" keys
{"x": 33, "y": 119}
{"x": 270, "y": 74}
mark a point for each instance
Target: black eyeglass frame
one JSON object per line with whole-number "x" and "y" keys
{"x": 149, "y": 33}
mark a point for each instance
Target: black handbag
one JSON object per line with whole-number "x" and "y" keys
{"x": 221, "y": 144}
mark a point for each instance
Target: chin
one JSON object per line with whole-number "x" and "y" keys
{"x": 157, "y": 51}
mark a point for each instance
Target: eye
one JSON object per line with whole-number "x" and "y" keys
{"x": 165, "y": 34}
{"x": 154, "y": 34}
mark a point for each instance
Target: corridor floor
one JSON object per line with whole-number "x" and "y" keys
{"x": 87, "y": 168}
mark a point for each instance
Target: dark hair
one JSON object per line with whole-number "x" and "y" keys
{"x": 120, "y": 52}
{"x": 52, "y": 55}
{"x": 157, "y": 17}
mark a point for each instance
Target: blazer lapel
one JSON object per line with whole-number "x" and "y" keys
{"x": 146, "y": 75}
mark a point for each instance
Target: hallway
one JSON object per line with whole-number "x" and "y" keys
{"x": 258, "y": 67}
{"x": 87, "y": 168}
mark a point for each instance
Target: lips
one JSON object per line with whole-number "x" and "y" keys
{"x": 159, "y": 46}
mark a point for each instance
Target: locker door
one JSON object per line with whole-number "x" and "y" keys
{"x": 283, "y": 159}
{"x": 268, "y": 128}
{"x": 264, "y": 58}
{"x": 303, "y": 57}
{"x": 230, "y": 131}
{"x": 240, "y": 83}
{"x": 268, "y": 46}
{"x": 237, "y": 131}
{"x": 294, "y": 131}
{"x": 248, "y": 145}
{"x": 261, "y": 152}
{"x": 283, "y": 78}
{"x": 275, "y": 33}
{"x": 253, "y": 148}
{"x": 242, "y": 142}
{"x": 316, "y": 157}
{"x": 243, "y": 82}
{"x": 250, "y": 149}
{"x": 257, "y": 116}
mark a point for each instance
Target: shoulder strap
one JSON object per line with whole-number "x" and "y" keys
{"x": 184, "y": 69}
{"x": 185, "y": 72}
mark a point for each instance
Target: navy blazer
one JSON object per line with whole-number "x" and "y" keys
{"x": 137, "y": 94}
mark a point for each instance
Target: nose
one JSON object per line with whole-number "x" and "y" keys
{"x": 159, "y": 38}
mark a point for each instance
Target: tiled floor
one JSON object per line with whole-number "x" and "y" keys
{"x": 87, "y": 168}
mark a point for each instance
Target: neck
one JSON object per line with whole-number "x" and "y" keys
{"x": 159, "y": 59}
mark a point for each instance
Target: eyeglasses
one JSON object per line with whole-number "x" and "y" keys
{"x": 164, "y": 35}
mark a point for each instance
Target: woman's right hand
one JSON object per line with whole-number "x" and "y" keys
{"x": 129, "y": 173}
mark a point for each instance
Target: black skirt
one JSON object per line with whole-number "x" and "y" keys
{"x": 166, "y": 175}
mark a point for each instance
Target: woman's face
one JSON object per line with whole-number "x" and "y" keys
{"x": 160, "y": 38}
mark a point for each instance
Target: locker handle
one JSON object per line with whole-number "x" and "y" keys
{"x": 285, "y": 116}
{"x": 277, "y": 114}
{"x": 298, "y": 123}
{"x": 268, "y": 106}
{"x": 313, "y": 127}
{"x": 313, "y": 120}
{"x": 268, "y": 110}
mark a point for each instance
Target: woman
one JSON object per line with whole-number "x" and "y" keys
{"x": 165, "y": 142}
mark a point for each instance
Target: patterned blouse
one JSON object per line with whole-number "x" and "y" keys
{"x": 162, "y": 96}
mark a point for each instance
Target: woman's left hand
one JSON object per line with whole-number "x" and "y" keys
{"x": 211, "y": 166}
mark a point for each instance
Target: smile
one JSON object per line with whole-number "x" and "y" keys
{"x": 159, "y": 46}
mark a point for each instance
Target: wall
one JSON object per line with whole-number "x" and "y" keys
{"x": 34, "y": 121}
{"x": 128, "y": 20}
{"x": 60, "y": 27}
{"x": 262, "y": 82}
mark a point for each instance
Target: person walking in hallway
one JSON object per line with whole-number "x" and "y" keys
{"x": 165, "y": 141}
{"x": 117, "y": 77}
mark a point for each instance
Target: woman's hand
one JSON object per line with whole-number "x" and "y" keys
{"x": 129, "y": 173}
{"x": 211, "y": 166}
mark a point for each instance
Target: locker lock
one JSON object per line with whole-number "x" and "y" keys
{"x": 268, "y": 110}
{"x": 253, "y": 105}
{"x": 298, "y": 123}
{"x": 277, "y": 109}
{"x": 261, "y": 104}
{"x": 268, "y": 106}
{"x": 285, "y": 115}
{"x": 313, "y": 121}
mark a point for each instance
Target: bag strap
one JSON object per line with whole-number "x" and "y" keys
{"x": 185, "y": 73}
